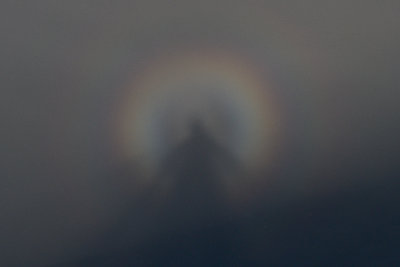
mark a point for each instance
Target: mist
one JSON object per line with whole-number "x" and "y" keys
{"x": 327, "y": 195}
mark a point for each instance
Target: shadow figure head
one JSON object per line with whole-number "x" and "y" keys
{"x": 197, "y": 129}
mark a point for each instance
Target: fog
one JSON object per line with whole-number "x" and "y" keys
{"x": 332, "y": 182}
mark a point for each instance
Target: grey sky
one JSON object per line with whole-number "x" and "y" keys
{"x": 63, "y": 65}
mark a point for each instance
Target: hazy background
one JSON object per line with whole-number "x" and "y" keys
{"x": 63, "y": 68}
